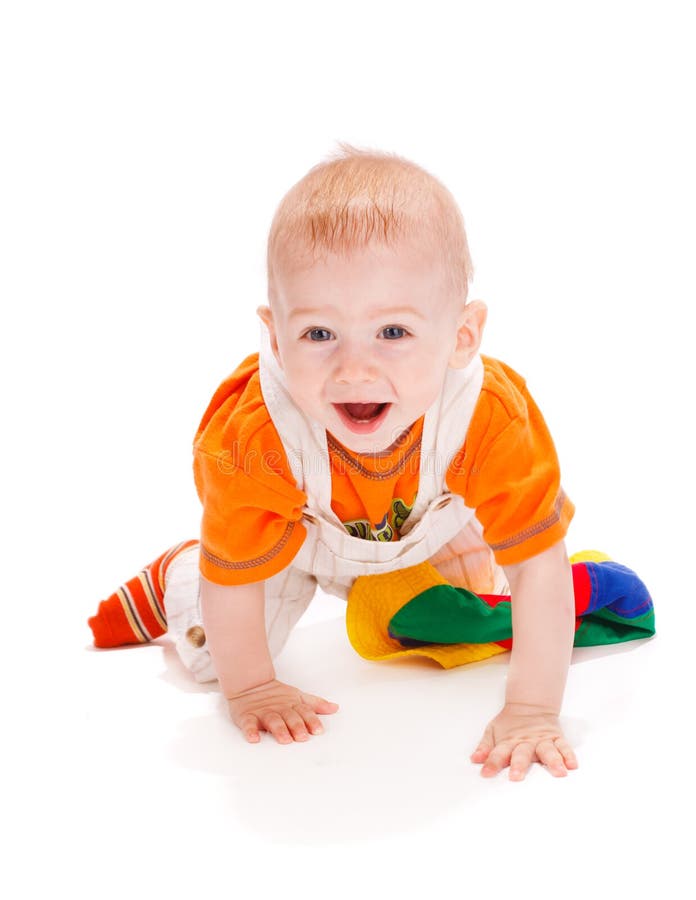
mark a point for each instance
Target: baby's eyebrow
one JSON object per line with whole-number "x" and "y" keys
{"x": 313, "y": 311}
{"x": 390, "y": 311}
{"x": 384, "y": 313}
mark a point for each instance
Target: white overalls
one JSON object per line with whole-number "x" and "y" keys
{"x": 439, "y": 528}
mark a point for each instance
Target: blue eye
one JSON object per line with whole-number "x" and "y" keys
{"x": 319, "y": 334}
{"x": 393, "y": 332}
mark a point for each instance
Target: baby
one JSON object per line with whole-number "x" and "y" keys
{"x": 313, "y": 459}
{"x": 369, "y": 436}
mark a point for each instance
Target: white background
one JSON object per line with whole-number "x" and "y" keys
{"x": 145, "y": 146}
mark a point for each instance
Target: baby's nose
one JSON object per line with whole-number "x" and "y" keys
{"x": 354, "y": 365}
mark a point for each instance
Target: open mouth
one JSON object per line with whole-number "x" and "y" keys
{"x": 362, "y": 418}
{"x": 362, "y": 412}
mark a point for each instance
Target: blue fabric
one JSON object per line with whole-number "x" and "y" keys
{"x": 617, "y": 589}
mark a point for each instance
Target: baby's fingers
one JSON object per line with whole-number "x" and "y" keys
{"x": 521, "y": 759}
{"x": 485, "y": 746}
{"x": 550, "y": 757}
{"x": 319, "y": 704}
{"x": 249, "y": 726}
{"x": 567, "y": 753}
{"x": 275, "y": 724}
{"x": 311, "y": 719}
{"x": 498, "y": 759}
{"x": 557, "y": 756}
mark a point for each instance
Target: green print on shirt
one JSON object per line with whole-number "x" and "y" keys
{"x": 389, "y": 529}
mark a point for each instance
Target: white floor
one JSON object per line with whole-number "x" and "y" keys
{"x": 130, "y": 779}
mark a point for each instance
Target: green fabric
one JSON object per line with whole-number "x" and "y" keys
{"x": 447, "y": 615}
{"x": 604, "y": 627}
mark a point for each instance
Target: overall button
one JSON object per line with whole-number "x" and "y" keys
{"x": 196, "y": 636}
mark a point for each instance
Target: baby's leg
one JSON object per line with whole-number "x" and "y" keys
{"x": 135, "y": 613}
{"x": 288, "y": 595}
{"x": 165, "y": 597}
{"x": 468, "y": 562}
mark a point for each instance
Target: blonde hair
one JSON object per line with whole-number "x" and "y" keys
{"x": 359, "y": 196}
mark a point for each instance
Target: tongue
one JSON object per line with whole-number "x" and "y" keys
{"x": 362, "y": 410}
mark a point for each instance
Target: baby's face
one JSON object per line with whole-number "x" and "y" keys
{"x": 365, "y": 340}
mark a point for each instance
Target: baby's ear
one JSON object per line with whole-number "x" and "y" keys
{"x": 265, "y": 313}
{"x": 470, "y": 325}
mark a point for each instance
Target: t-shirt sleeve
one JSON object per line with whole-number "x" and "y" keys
{"x": 250, "y": 529}
{"x": 508, "y": 472}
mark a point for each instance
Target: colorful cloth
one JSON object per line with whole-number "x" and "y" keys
{"x": 416, "y": 612}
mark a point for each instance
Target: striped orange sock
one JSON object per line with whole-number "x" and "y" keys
{"x": 135, "y": 613}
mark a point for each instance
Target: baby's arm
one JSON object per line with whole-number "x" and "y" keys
{"x": 543, "y": 625}
{"x": 234, "y": 623}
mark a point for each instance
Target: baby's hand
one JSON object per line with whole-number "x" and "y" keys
{"x": 520, "y": 735}
{"x": 284, "y": 711}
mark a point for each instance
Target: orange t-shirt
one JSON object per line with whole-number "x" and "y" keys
{"x": 507, "y": 471}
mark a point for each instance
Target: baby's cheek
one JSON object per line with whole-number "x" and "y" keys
{"x": 296, "y": 389}
{"x": 416, "y": 378}
{"x": 427, "y": 388}
{"x": 306, "y": 394}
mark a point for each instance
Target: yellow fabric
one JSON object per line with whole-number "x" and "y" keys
{"x": 375, "y": 599}
{"x": 589, "y": 556}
